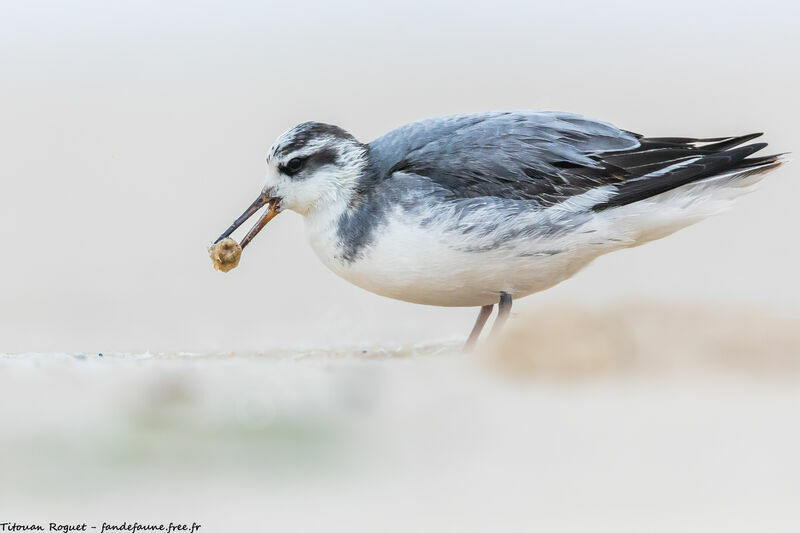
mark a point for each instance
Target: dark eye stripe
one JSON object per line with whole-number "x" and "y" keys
{"x": 326, "y": 156}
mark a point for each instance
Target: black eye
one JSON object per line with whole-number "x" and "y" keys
{"x": 294, "y": 165}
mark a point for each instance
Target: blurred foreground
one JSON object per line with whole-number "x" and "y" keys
{"x": 638, "y": 418}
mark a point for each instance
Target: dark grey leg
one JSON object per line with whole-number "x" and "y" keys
{"x": 483, "y": 316}
{"x": 503, "y": 310}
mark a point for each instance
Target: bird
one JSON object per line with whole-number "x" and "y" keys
{"x": 482, "y": 209}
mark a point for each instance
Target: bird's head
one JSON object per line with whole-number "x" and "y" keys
{"x": 311, "y": 166}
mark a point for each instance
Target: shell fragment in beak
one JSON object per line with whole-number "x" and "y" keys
{"x": 225, "y": 254}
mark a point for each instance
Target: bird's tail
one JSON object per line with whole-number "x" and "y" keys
{"x": 672, "y": 162}
{"x": 655, "y": 210}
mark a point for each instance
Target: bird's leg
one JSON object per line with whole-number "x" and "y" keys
{"x": 483, "y": 316}
{"x": 503, "y": 310}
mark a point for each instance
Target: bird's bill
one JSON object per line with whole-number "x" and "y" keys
{"x": 271, "y": 212}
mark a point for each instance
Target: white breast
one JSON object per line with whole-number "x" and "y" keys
{"x": 432, "y": 264}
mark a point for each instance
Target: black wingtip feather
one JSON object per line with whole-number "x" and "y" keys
{"x": 733, "y": 141}
{"x": 725, "y": 155}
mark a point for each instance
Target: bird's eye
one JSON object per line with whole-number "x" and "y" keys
{"x": 294, "y": 165}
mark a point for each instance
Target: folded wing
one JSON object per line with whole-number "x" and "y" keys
{"x": 547, "y": 158}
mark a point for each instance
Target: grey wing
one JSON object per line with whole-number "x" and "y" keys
{"x": 549, "y": 157}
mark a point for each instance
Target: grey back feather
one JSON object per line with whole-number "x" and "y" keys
{"x": 544, "y": 157}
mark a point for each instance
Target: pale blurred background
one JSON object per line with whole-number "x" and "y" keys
{"x": 655, "y": 391}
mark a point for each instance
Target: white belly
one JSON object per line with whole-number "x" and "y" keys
{"x": 430, "y": 266}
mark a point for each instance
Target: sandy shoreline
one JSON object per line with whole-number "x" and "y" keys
{"x": 421, "y": 437}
